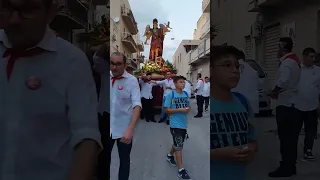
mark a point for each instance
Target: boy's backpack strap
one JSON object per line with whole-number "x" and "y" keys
{"x": 185, "y": 92}
{"x": 242, "y": 99}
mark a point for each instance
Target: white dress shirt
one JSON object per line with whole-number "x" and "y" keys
{"x": 101, "y": 66}
{"x": 187, "y": 88}
{"x": 199, "y": 87}
{"x": 166, "y": 83}
{"x": 40, "y": 128}
{"x": 288, "y": 77}
{"x": 309, "y": 89}
{"x": 248, "y": 85}
{"x": 125, "y": 95}
{"x": 146, "y": 89}
{"x": 206, "y": 89}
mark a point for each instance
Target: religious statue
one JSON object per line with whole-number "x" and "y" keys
{"x": 156, "y": 34}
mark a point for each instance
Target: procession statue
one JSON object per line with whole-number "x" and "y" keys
{"x": 157, "y": 34}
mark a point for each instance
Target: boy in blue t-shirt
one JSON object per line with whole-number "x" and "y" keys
{"x": 177, "y": 106}
{"x": 232, "y": 135}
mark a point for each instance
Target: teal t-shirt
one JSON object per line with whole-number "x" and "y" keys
{"x": 231, "y": 125}
{"x": 176, "y": 100}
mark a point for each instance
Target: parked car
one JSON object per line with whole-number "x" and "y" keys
{"x": 264, "y": 99}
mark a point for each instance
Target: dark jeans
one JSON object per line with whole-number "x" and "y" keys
{"x": 206, "y": 102}
{"x": 124, "y": 151}
{"x": 289, "y": 127}
{"x": 103, "y": 169}
{"x": 200, "y": 101}
{"x": 147, "y": 109}
{"x": 310, "y": 120}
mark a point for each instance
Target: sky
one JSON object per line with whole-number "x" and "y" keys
{"x": 182, "y": 14}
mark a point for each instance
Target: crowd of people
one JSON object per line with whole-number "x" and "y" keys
{"x": 233, "y": 136}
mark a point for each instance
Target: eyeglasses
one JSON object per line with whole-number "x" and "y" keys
{"x": 229, "y": 66}
{"x": 24, "y": 13}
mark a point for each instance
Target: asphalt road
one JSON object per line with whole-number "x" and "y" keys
{"x": 151, "y": 144}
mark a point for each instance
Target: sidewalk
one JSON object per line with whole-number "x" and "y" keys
{"x": 152, "y": 142}
{"x": 268, "y": 156}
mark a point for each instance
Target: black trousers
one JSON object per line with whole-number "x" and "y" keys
{"x": 206, "y": 102}
{"x": 147, "y": 109}
{"x": 289, "y": 127}
{"x": 310, "y": 121}
{"x": 103, "y": 169}
{"x": 200, "y": 101}
{"x": 124, "y": 151}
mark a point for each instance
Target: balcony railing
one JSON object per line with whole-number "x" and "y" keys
{"x": 129, "y": 42}
{"x": 205, "y": 30}
{"x": 140, "y": 46}
{"x": 206, "y": 6}
{"x": 75, "y": 11}
{"x": 132, "y": 64}
{"x": 201, "y": 52}
{"x": 129, "y": 20}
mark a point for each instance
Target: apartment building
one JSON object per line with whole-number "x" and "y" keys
{"x": 199, "y": 58}
{"x": 297, "y": 19}
{"x": 74, "y": 17}
{"x": 179, "y": 59}
{"x": 124, "y": 36}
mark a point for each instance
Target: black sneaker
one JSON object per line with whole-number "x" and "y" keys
{"x": 197, "y": 116}
{"x": 183, "y": 174}
{"x": 171, "y": 160}
{"x": 283, "y": 172}
{"x": 308, "y": 156}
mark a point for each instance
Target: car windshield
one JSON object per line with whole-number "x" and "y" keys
{"x": 256, "y": 67}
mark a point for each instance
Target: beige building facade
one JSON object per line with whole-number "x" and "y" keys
{"x": 255, "y": 27}
{"x": 124, "y": 34}
{"x": 179, "y": 59}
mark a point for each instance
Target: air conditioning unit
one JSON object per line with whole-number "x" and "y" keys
{"x": 256, "y": 29}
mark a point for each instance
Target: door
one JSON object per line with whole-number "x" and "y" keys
{"x": 271, "y": 63}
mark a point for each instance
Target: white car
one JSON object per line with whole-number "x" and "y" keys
{"x": 264, "y": 99}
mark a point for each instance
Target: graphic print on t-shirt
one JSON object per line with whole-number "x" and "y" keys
{"x": 228, "y": 129}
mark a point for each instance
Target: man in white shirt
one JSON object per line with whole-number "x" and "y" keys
{"x": 248, "y": 84}
{"x": 199, "y": 97}
{"x": 146, "y": 97}
{"x": 167, "y": 85}
{"x": 125, "y": 110}
{"x": 101, "y": 65}
{"x": 206, "y": 93}
{"x": 287, "y": 114}
{"x": 308, "y": 99}
{"x": 48, "y": 115}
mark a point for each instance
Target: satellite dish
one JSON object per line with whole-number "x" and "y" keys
{"x": 116, "y": 19}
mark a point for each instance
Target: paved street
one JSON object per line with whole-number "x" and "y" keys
{"x": 151, "y": 144}
{"x": 268, "y": 157}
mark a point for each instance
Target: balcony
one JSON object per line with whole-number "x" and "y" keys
{"x": 258, "y": 5}
{"x": 140, "y": 46}
{"x": 205, "y": 30}
{"x": 201, "y": 52}
{"x": 129, "y": 20}
{"x": 128, "y": 41}
{"x": 72, "y": 15}
{"x": 140, "y": 58}
{"x": 206, "y": 6}
{"x": 132, "y": 64}
{"x": 100, "y": 2}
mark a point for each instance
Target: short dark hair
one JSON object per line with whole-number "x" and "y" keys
{"x": 219, "y": 52}
{"x": 288, "y": 43}
{"x": 307, "y": 51}
{"x": 120, "y": 54}
{"x": 177, "y": 78}
{"x": 241, "y": 55}
{"x": 199, "y": 74}
{"x": 206, "y": 77}
{"x": 149, "y": 74}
